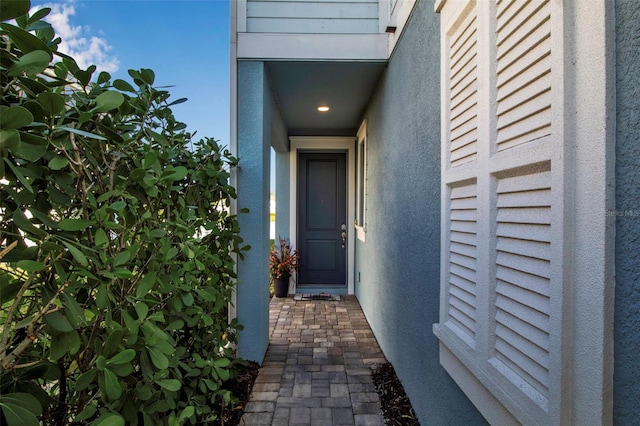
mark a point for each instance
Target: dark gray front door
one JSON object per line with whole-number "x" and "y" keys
{"x": 322, "y": 212}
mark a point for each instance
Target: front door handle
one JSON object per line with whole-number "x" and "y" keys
{"x": 344, "y": 235}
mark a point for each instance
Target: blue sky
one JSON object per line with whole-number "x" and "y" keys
{"x": 185, "y": 42}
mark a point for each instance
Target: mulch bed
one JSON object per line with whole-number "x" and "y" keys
{"x": 396, "y": 407}
{"x": 241, "y": 387}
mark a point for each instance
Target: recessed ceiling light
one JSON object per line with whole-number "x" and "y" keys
{"x": 323, "y": 108}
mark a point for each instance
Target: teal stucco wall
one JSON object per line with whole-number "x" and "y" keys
{"x": 626, "y": 391}
{"x": 398, "y": 267}
{"x": 254, "y": 141}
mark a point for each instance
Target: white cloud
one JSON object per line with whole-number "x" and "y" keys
{"x": 77, "y": 41}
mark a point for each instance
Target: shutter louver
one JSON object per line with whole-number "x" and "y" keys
{"x": 463, "y": 86}
{"x": 503, "y": 194}
{"x": 523, "y": 72}
{"x": 462, "y": 259}
{"x": 523, "y": 277}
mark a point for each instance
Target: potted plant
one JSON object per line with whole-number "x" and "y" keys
{"x": 283, "y": 260}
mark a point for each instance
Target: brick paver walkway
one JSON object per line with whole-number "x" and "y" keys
{"x": 316, "y": 370}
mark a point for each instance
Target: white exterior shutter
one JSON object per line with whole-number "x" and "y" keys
{"x": 463, "y": 89}
{"x": 503, "y": 202}
{"x": 461, "y": 265}
{"x": 462, "y": 148}
{"x": 524, "y": 72}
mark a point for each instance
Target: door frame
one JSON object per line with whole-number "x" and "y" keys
{"x": 325, "y": 144}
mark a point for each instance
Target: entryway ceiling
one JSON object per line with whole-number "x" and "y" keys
{"x": 346, "y": 87}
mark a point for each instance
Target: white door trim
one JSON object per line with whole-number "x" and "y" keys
{"x": 329, "y": 144}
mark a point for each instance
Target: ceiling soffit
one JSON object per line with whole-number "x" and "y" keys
{"x": 346, "y": 87}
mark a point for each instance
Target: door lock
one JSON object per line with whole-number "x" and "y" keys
{"x": 344, "y": 235}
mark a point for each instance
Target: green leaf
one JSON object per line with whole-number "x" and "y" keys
{"x": 187, "y": 299}
{"x": 108, "y": 101}
{"x": 15, "y": 117}
{"x": 136, "y": 175}
{"x": 157, "y": 316}
{"x": 8, "y": 290}
{"x": 146, "y": 283}
{"x": 179, "y": 101}
{"x": 58, "y": 162}
{"x": 124, "y": 86}
{"x": 158, "y": 359}
{"x": 84, "y": 76}
{"x": 122, "y": 370}
{"x": 118, "y": 205}
{"x": 58, "y": 322}
{"x": 112, "y": 386}
{"x": 109, "y": 419}
{"x": 52, "y": 103}
{"x": 147, "y": 75}
{"x": 30, "y": 147}
{"x": 34, "y": 106}
{"x": 74, "y": 224}
{"x": 142, "y": 310}
{"x": 174, "y": 173}
{"x": 142, "y": 391}
{"x": 85, "y": 379}
{"x": 101, "y": 363}
{"x": 113, "y": 342}
{"x": 77, "y": 254}
{"x": 31, "y": 265}
{"x": 157, "y": 233}
{"x": 32, "y": 63}
{"x": 222, "y": 362}
{"x": 9, "y": 140}
{"x": 86, "y": 413}
{"x": 22, "y": 399}
{"x": 39, "y": 14}
{"x": 20, "y": 409}
{"x": 14, "y": 8}
{"x": 26, "y": 185}
{"x": 100, "y": 238}
{"x": 157, "y": 137}
{"x": 18, "y": 416}
{"x": 35, "y": 372}
{"x": 207, "y": 320}
{"x": 73, "y": 311}
{"x": 104, "y": 197}
{"x": 122, "y": 258}
{"x": 175, "y": 325}
{"x": 103, "y": 77}
{"x": 25, "y": 224}
{"x": 60, "y": 346}
{"x": 81, "y": 133}
{"x": 186, "y": 413}
{"x": 149, "y": 159}
{"x": 123, "y": 357}
{"x": 211, "y": 384}
{"x": 222, "y": 373}
{"x": 172, "y": 385}
{"x": 24, "y": 40}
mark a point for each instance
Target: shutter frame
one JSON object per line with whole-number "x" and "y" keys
{"x": 511, "y": 340}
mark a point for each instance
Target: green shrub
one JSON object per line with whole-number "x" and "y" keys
{"x": 117, "y": 245}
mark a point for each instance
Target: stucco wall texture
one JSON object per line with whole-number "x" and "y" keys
{"x": 254, "y": 142}
{"x": 626, "y": 392}
{"x": 397, "y": 268}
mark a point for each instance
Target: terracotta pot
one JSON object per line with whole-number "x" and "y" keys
{"x": 281, "y": 287}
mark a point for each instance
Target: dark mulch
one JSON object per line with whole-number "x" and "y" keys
{"x": 396, "y": 407}
{"x": 241, "y": 387}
